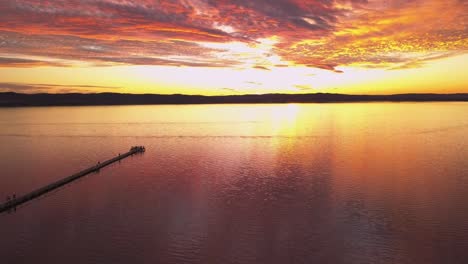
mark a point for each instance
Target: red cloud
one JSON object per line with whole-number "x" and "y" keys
{"x": 317, "y": 33}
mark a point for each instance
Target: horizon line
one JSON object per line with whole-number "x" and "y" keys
{"x": 225, "y": 95}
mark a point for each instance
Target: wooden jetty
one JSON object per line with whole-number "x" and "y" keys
{"x": 13, "y": 203}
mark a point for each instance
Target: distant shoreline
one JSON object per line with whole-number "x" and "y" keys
{"x": 10, "y": 99}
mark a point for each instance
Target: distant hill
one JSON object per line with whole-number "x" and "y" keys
{"x": 72, "y": 99}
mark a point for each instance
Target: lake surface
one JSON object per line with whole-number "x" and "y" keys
{"x": 274, "y": 183}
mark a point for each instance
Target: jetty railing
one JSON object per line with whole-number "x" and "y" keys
{"x": 16, "y": 201}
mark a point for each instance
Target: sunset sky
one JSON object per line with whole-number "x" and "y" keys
{"x": 234, "y": 46}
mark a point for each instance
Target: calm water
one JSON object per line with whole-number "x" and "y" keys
{"x": 291, "y": 183}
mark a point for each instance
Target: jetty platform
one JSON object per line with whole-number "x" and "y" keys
{"x": 16, "y": 201}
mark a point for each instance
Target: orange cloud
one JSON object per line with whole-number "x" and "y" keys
{"x": 398, "y": 33}
{"x": 323, "y": 34}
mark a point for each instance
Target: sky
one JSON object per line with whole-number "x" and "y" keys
{"x": 218, "y": 47}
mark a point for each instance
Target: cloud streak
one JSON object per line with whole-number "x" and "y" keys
{"x": 47, "y": 88}
{"x": 20, "y": 63}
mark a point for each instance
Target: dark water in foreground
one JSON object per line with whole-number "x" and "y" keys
{"x": 305, "y": 183}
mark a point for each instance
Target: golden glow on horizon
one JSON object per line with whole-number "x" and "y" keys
{"x": 284, "y": 119}
{"x": 211, "y": 81}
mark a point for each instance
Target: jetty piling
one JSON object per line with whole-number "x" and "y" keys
{"x": 16, "y": 201}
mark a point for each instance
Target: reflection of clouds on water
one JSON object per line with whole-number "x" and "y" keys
{"x": 322, "y": 183}
{"x": 368, "y": 234}
{"x": 282, "y": 215}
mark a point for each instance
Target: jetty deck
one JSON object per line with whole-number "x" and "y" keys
{"x": 14, "y": 202}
